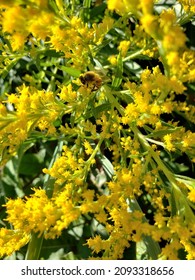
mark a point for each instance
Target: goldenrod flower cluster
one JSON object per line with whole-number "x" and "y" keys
{"x": 115, "y": 163}
{"x": 67, "y": 35}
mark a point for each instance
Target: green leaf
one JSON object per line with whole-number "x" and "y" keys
{"x": 58, "y": 255}
{"x": 86, "y": 3}
{"x": 97, "y": 10}
{"x": 101, "y": 108}
{"x": 107, "y": 166}
{"x": 31, "y": 164}
{"x": 133, "y": 67}
{"x": 34, "y": 247}
{"x": 71, "y": 71}
{"x": 152, "y": 247}
{"x": 119, "y": 73}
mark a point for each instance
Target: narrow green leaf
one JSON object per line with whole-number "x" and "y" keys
{"x": 152, "y": 247}
{"x": 101, "y": 108}
{"x": 71, "y": 71}
{"x": 107, "y": 166}
{"x": 119, "y": 73}
{"x": 34, "y": 247}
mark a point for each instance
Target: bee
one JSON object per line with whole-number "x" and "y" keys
{"x": 91, "y": 80}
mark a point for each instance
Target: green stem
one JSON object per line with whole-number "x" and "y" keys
{"x": 155, "y": 156}
{"x": 113, "y": 101}
{"x": 97, "y": 148}
{"x": 48, "y": 183}
{"x": 163, "y": 57}
{"x": 34, "y": 247}
{"x": 133, "y": 55}
{"x": 6, "y": 69}
{"x": 179, "y": 202}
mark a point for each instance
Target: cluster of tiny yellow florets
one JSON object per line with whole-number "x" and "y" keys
{"x": 188, "y": 5}
{"x": 34, "y": 109}
{"x": 68, "y": 35}
{"x": 152, "y": 98}
{"x": 12, "y": 240}
{"x": 39, "y": 214}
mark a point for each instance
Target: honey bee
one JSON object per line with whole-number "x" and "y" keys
{"x": 91, "y": 80}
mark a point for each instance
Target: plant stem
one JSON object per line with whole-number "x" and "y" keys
{"x": 155, "y": 156}
{"x": 34, "y": 247}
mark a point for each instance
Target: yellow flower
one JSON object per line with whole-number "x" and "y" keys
{"x": 40, "y": 25}
{"x": 88, "y": 148}
{"x": 118, "y": 6}
{"x": 112, "y": 59}
{"x": 99, "y": 30}
{"x": 3, "y": 110}
{"x": 188, "y": 139}
{"x": 168, "y": 142}
{"x": 174, "y": 39}
{"x": 155, "y": 109}
{"x": 17, "y": 41}
{"x": 167, "y": 107}
{"x": 131, "y": 111}
{"x": 172, "y": 58}
{"x": 95, "y": 243}
{"x": 160, "y": 220}
{"x": 123, "y": 47}
{"x": 67, "y": 94}
{"x": 14, "y": 20}
{"x": 146, "y": 6}
{"x": 11, "y": 241}
{"x": 167, "y": 20}
{"x": 191, "y": 195}
{"x": 150, "y": 25}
